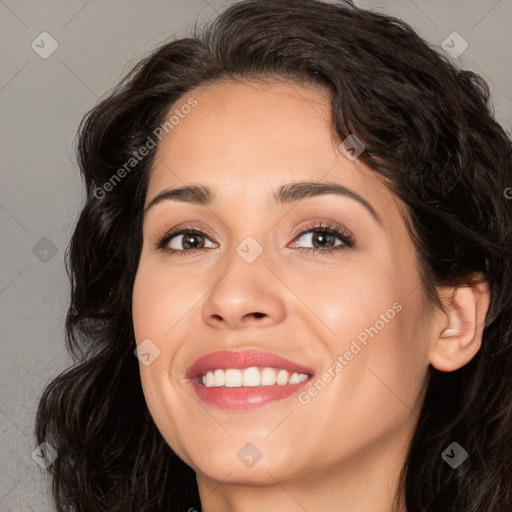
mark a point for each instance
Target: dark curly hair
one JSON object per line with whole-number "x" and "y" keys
{"x": 429, "y": 132}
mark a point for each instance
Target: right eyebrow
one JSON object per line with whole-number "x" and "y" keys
{"x": 196, "y": 194}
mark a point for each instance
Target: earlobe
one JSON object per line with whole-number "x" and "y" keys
{"x": 457, "y": 335}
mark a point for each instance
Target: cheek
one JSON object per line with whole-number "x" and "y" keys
{"x": 161, "y": 299}
{"x": 354, "y": 305}
{"x": 379, "y": 333}
{"x": 159, "y": 309}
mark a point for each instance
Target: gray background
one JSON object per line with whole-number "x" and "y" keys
{"x": 42, "y": 101}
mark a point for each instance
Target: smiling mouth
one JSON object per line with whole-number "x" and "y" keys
{"x": 253, "y": 376}
{"x": 241, "y": 380}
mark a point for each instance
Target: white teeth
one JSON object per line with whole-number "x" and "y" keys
{"x": 232, "y": 378}
{"x": 209, "y": 379}
{"x": 282, "y": 377}
{"x": 268, "y": 377}
{"x": 219, "y": 378}
{"x": 251, "y": 377}
{"x": 295, "y": 378}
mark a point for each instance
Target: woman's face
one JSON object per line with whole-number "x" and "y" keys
{"x": 348, "y": 315}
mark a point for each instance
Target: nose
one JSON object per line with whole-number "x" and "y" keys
{"x": 244, "y": 295}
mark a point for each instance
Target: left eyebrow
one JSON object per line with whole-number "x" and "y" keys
{"x": 304, "y": 189}
{"x": 290, "y": 192}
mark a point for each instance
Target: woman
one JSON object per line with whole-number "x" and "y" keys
{"x": 297, "y": 221}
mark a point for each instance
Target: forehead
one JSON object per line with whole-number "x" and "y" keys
{"x": 245, "y": 139}
{"x": 245, "y": 117}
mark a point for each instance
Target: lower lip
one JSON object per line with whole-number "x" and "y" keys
{"x": 244, "y": 398}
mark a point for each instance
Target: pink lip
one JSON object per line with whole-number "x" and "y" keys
{"x": 243, "y": 398}
{"x": 230, "y": 359}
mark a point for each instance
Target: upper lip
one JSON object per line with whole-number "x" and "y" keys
{"x": 225, "y": 359}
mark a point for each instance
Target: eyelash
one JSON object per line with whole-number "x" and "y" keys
{"x": 343, "y": 234}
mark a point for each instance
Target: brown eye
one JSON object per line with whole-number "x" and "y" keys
{"x": 321, "y": 239}
{"x": 192, "y": 241}
{"x": 325, "y": 238}
{"x": 185, "y": 240}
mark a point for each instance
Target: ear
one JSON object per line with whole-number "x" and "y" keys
{"x": 457, "y": 333}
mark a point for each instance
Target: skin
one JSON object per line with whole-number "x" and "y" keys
{"x": 344, "y": 449}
